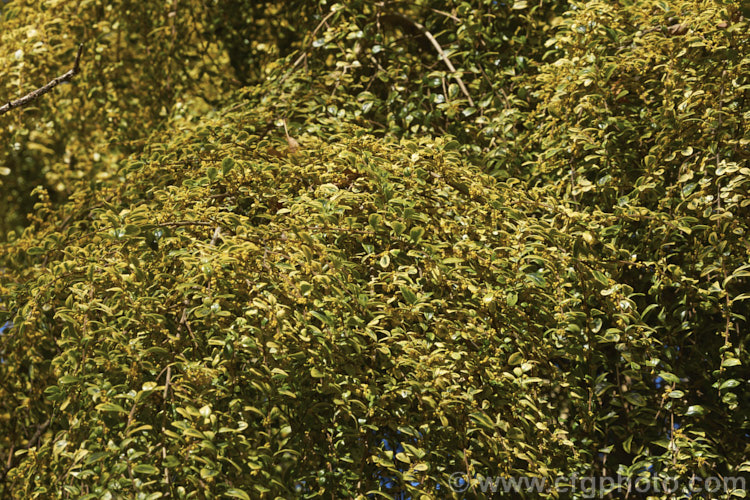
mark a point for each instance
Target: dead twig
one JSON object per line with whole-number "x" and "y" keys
{"x": 304, "y": 53}
{"x": 447, "y": 14}
{"x": 442, "y": 54}
{"x": 216, "y": 236}
{"x": 39, "y": 431}
{"x": 468, "y": 473}
{"x": 291, "y": 141}
{"x": 164, "y": 418}
{"x": 31, "y": 96}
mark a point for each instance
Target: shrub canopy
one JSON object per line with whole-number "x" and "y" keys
{"x": 279, "y": 249}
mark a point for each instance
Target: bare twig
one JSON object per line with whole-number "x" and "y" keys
{"x": 10, "y": 457}
{"x": 468, "y": 473}
{"x": 8, "y": 465}
{"x": 184, "y": 322}
{"x": 442, "y": 54}
{"x": 291, "y": 141}
{"x": 447, "y": 14}
{"x": 31, "y": 96}
{"x": 718, "y": 138}
{"x": 131, "y": 415}
{"x": 164, "y": 419}
{"x": 185, "y": 223}
{"x": 127, "y": 428}
{"x": 216, "y": 236}
{"x": 304, "y": 53}
{"x": 39, "y": 431}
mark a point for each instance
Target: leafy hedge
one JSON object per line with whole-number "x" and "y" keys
{"x": 553, "y": 280}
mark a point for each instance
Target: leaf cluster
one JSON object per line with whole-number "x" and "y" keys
{"x": 532, "y": 264}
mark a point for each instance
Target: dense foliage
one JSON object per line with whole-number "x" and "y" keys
{"x": 500, "y": 238}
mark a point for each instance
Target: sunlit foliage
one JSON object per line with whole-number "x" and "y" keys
{"x": 500, "y": 238}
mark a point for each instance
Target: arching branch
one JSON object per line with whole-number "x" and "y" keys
{"x": 31, "y": 96}
{"x": 441, "y": 53}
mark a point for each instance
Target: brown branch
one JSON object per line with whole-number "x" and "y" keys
{"x": 291, "y": 141}
{"x": 216, "y": 236}
{"x": 31, "y": 443}
{"x": 442, "y": 54}
{"x": 39, "y": 431}
{"x": 468, "y": 473}
{"x": 304, "y": 53}
{"x": 10, "y": 457}
{"x": 185, "y": 223}
{"x": 185, "y": 323}
{"x": 164, "y": 418}
{"x": 447, "y": 14}
{"x": 127, "y": 427}
{"x": 8, "y": 465}
{"x": 31, "y": 96}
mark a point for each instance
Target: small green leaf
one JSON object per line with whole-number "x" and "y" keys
{"x": 516, "y": 434}
{"x": 627, "y": 444}
{"x": 323, "y": 317}
{"x": 453, "y": 260}
{"x": 385, "y": 260}
{"x": 669, "y": 378}
{"x": 53, "y": 393}
{"x": 208, "y": 473}
{"x": 635, "y": 399}
{"x": 515, "y": 359}
{"x": 374, "y": 220}
{"x": 110, "y": 407}
{"x": 226, "y": 165}
{"x": 148, "y": 386}
{"x": 695, "y": 410}
{"x": 67, "y": 380}
{"x": 416, "y": 234}
{"x": 600, "y": 277}
{"x": 408, "y": 295}
{"x": 96, "y": 456}
{"x": 145, "y": 469}
{"x": 483, "y": 420}
{"x": 305, "y": 288}
{"x": 688, "y": 188}
{"x": 729, "y": 384}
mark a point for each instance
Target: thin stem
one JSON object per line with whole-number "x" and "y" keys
{"x": 32, "y": 96}
{"x": 442, "y": 54}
